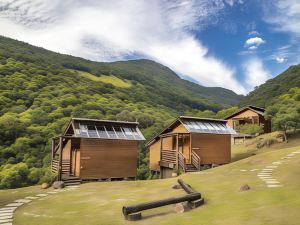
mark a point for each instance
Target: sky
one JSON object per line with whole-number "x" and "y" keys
{"x": 235, "y": 44}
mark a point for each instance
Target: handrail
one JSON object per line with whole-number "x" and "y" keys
{"x": 195, "y": 159}
{"x": 182, "y": 160}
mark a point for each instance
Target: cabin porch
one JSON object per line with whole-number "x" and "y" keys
{"x": 176, "y": 153}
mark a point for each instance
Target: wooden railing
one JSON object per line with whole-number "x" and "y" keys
{"x": 195, "y": 160}
{"x": 168, "y": 156}
{"x": 181, "y": 161}
{"x": 55, "y": 165}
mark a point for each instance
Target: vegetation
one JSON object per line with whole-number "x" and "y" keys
{"x": 285, "y": 111}
{"x": 41, "y": 90}
{"x": 273, "y": 88}
{"x": 224, "y": 203}
{"x": 250, "y": 129}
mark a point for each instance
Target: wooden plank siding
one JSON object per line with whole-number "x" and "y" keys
{"x": 67, "y": 151}
{"x": 212, "y": 148}
{"x": 154, "y": 157}
{"x": 108, "y": 158}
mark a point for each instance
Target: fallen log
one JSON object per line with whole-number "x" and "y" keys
{"x": 186, "y": 187}
{"x": 155, "y": 204}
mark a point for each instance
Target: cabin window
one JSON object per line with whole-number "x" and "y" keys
{"x": 119, "y": 132}
{"x": 92, "y": 131}
{"x": 128, "y": 132}
{"x": 111, "y": 132}
{"x": 102, "y": 132}
{"x": 83, "y": 130}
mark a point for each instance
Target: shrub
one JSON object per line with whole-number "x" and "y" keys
{"x": 250, "y": 129}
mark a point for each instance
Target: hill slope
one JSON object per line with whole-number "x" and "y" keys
{"x": 273, "y": 88}
{"x": 41, "y": 90}
{"x": 101, "y": 203}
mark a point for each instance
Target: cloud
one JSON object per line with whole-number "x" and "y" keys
{"x": 255, "y": 73}
{"x": 254, "y": 33}
{"x": 254, "y": 41}
{"x": 252, "y": 47}
{"x": 116, "y": 30}
{"x": 280, "y": 59}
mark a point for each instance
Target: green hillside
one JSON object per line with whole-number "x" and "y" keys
{"x": 101, "y": 203}
{"x": 273, "y": 88}
{"x": 41, "y": 90}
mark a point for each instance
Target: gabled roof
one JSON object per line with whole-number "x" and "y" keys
{"x": 256, "y": 109}
{"x": 103, "y": 129}
{"x": 197, "y": 125}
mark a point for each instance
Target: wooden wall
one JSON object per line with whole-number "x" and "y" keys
{"x": 67, "y": 151}
{"x": 101, "y": 158}
{"x": 212, "y": 148}
{"x": 154, "y": 156}
{"x": 179, "y": 129}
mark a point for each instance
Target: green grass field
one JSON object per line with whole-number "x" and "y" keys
{"x": 101, "y": 203}
{"x": 117, "y": 82}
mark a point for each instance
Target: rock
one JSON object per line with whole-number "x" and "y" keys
{"x": 58, "y": 185}
{"x": 245, "y": 187}
{"x": 174, "y": 174}
{"x": 179, "y": 208}
{"x": 45, "y": 185}
{"x": 176, "y": 186}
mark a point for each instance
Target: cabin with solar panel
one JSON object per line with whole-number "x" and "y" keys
{"x": 190, "y": 144}
{"x": 92, "y": 149}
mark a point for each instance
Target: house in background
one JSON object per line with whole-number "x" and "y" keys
{"x": 249, "y": 115}
{"x": 92, "y": 149}
{"x": 189, "y": 144}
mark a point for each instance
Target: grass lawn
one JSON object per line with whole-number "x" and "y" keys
{"x": 101, "y": 203}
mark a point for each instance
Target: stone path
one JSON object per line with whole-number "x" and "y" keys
{"x": 266, "y": 173}
{"x": 7, "y": 212}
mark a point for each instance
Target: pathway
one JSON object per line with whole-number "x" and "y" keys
{"x": 266, "y": 173}
{"x": 7, "y": 212}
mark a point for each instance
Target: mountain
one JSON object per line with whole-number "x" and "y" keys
{"x": 41, "y": 90}
{"x": 279, "y": 85}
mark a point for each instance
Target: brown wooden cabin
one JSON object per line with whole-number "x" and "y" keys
{"x": 92, "y": 149}
{"x": 190, "y": 144}
{"x": 249, "y": 115}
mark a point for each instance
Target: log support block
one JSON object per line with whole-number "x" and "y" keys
{"x": 196, "y": 203}
{"x": 134, "y": 216}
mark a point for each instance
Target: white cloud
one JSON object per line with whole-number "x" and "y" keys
{"x": 252, "y": 47}
{"x": 255, "y": 41}
{"x": 280, "y": 59}
{"x": 255, "y": 73}
{"x": 112, "y": 30}
{"x": 254, "y": 33}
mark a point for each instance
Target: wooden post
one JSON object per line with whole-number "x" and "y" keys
{"x": 60, "y": 158}
{"x": 186, "y": 187}
{"x": 52, "y": 152}
{"x": 177, "y": 149}
{"x": 161, "y": 145}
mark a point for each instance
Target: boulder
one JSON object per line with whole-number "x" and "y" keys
{"x": 245, "y": 187}
{"x": 45, "y": 185}
{"x": 176, "y": 186}
{"x": 58, "y": 185}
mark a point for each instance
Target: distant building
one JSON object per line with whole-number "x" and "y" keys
{"x": 92, "y": 149}
{"x": 189, "y": 144}
{"x": 249, "y": 115}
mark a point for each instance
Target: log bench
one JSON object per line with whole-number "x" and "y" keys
{"x": 193, "y": 198}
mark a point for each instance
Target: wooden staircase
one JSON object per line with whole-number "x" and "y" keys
{"x": 71, "y": 180}
{"x": 190, "y": 168}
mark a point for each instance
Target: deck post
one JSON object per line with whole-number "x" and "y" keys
{"x": 60, "y": 158}
{"x": 177, "y": 149}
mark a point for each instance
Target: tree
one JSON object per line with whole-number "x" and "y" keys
{"x": 285, "y": 111}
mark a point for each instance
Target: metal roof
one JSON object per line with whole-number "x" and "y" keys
{"x": 105, "y": 129}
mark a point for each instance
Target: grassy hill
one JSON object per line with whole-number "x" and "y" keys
{"x": 41, "y": 90}
{"x": 273, "y": 88}
{"x": 101, "y": 203}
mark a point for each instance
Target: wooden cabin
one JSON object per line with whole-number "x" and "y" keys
{"x": 92, "y": 149}
{"x": 249, "y": 115}
{"x": 190, "y": 144}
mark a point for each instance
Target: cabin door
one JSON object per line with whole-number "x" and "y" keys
{"x": 73, "y": 161}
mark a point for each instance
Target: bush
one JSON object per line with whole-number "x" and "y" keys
{"x": 250, "y": 129}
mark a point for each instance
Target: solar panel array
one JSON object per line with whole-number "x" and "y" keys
{"x": 108, "y": 132}
{"x": 212, "y": 127}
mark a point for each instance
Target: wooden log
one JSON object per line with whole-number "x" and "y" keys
{"x": 196, "y": 203}
{"x": 179, "y": 208}
{"x": 186, "y": 187}
{"x": 134, "y": 216}
{"x": 155, "y": 204}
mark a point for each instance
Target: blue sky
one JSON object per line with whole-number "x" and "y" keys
{"x": 235, "y": 44}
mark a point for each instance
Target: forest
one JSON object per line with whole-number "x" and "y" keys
{"x": 40, "y": 91}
